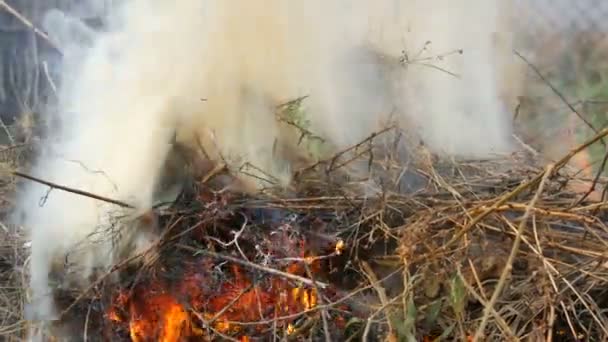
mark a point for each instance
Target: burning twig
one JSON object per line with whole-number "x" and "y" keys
{"x": 230, "y": 304}
{"x": 209, "y": 325}
{"x": 321, "y": 300}
{"x": 297, "y": 332}
{"x": 252, "y": 265}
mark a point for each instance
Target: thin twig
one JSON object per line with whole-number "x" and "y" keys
{"x": 86, "y": 324}
{"x": 335, "y": 157}
{"x": 598, "y": 174}
{"x": 47, "y": 74}
{"x": 29, "y": 25}
{"x": 74, "y": 191}
{"x": 558, "y": 93}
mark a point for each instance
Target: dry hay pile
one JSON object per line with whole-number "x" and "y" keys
{"x": 498, "y": 249}
{"x": 13, "y": 252}
{"x": 12, "y": 293}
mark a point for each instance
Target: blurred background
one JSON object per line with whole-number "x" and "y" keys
{"x": 566, "y": 41}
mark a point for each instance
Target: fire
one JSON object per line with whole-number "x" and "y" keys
{"x": 156, "y": 316}
{"x": 196, "y": 307}
{"x": 340, "y": 245}
{"x": 191, "y": 296}
{"x": 162, "y": 311}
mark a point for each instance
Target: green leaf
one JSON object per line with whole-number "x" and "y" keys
{"x": 433, "y": 312}
{"x": 457, "y": 295}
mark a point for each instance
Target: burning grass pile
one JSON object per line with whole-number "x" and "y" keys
{"x": 490, "y": 250}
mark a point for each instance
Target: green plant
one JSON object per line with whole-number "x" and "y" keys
{"x": 293, "y": 113}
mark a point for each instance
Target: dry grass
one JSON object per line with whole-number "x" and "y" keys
{"x": 456, "y": 247}
{"x": 12, "y": 290}
{"x": 13, "y": 252}
{"x": 502, "y": 244}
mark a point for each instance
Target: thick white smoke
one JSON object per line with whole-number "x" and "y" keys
{"x": 215, "y": 70}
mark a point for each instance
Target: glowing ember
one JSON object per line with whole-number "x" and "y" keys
{"x": 340, "y": 245}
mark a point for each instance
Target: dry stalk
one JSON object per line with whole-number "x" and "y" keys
{"x": 74, "y": 191}
{"x": 507, "y": 270}
{"x": 373, "y": 280}
{"x": 481, "y": 299}
{"x": 27, "y": 23}
{"x": 524, "y": 186}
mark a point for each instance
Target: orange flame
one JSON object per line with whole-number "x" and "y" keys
{"x": 161, "y": 311}
{"x": 204, "y": 301}
{"x": 155, "y": 315}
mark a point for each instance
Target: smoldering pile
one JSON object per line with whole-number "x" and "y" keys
{"x": 497, "y": 248}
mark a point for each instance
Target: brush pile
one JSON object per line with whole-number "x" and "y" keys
{"x": 489, "y": 250}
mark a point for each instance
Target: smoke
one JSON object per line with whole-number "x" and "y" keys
{"x": 212, "y": 72}
{"x": 450, "y": 90}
